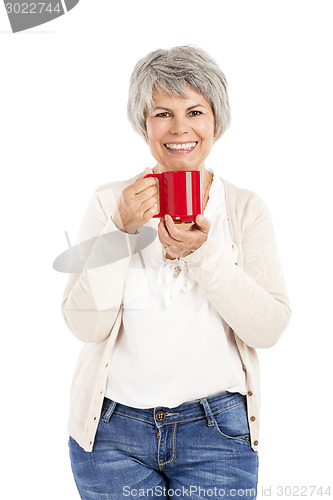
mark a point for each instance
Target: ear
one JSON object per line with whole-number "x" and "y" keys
{"x": 146, "y": 130}
{"x": 214, "y": 135}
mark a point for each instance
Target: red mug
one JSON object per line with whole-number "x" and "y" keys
{"x": 180, "y": 194}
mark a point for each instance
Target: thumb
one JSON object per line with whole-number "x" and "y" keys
{"x": 144, "y": 173}
{"x": 203, "y": 223}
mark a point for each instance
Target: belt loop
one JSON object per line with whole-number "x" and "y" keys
{"x": 208, "y": 412}
{"x": 109, "y": 412}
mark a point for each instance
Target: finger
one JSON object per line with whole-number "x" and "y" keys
{"x": 148, "y": 214}
{"x": 164, "y": 244}
{"x": 203, "y": 223}
{"x": 146, "y": 194}
{"x": 142, "y": 184}
{"x": 175, "y": 233}
{"x": 166, "y": 238}
{"x": 150, "y": 204}
{"x": 144, "y": 173}
{"x": 163, "y": 234}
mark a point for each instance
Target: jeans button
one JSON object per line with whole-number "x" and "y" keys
{"x": 160, "y": 415}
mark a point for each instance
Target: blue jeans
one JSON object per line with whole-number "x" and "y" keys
{"x": 199, "y": 449}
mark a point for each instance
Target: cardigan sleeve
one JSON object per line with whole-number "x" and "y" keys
{"x": 92, "y": 297}
{"x": 252, "y": 300}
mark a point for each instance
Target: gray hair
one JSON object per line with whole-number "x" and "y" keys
{"x": 172, "y": 70}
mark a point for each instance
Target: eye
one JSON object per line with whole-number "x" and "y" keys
{"x": 165, "y": 114}
{"x": 195, "y": 112}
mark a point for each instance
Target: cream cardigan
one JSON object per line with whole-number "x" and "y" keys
{"x": 251, "y": 298}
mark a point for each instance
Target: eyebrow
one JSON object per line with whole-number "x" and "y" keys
{"x": 187, "y": 109}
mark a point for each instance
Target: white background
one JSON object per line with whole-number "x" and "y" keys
{"x": 64, "y": 131}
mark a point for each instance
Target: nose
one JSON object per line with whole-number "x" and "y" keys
{"x": 179, "y": 126}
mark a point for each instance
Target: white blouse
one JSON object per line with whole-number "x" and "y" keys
{"x": 187, "y": 353}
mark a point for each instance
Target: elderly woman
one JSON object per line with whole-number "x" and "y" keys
{"x": 165, "y": 396}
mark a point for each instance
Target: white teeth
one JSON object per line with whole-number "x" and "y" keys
{"x": 181, "y": 147}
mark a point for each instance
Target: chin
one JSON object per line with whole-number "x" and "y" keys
{"x": 181, "y": 165}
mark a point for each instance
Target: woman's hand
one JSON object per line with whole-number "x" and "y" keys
{"x": 179, "y": 242}
{"x": 137, "y": 204}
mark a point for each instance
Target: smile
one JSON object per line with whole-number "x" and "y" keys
{"x": 184, "y": 146}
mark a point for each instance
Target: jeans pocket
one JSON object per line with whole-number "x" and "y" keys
{"x": 107, "y": 410}
{"x": 103, "y": 412}
{"x": 232, "y": 423}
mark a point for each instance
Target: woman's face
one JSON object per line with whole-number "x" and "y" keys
{"x": 180, "y": 130}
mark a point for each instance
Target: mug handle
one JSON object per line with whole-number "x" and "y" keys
{"x": 158, "y": 177}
